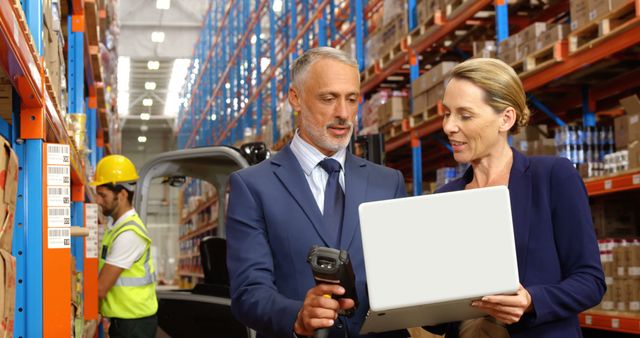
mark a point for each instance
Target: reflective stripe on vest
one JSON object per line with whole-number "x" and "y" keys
{"x": 149, "y": 277}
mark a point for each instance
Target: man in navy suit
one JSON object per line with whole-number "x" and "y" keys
{"x": 283, "y": 206}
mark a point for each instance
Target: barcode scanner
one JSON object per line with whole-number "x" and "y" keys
{"x": 332, "y": 266}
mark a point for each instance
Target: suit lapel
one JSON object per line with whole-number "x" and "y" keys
{"x": 290, "y": 173}
{"x": 356, "y": 176}
{"x": 520, "y": 196}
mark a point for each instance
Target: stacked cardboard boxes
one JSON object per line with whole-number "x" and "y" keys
{"x": 627, "y": 130}
{"x": 6, "y": 98}
{"x": 514, "y": 49}
{"x": 534, "y": 140}
{"x": 621, "y": 265}
{"x": 392, "y": 33}
{"x": 426, "y": 9}
{"x": 484, "y": 49}
{"x": 585, "y": 12}
{"x": 429, "y": 88}
{"x": 8, "y": 190}
{"x": 394, "y": 109}
{"x": 53, "y": 42}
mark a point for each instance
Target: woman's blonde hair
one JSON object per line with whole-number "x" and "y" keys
{"x": 501, "y": 84}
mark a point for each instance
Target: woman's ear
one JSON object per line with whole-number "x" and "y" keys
{"x": 508, "y": 119}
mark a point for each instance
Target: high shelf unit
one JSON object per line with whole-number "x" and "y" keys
{"x": 44, "y": 295}
{"x": 240, "y": 75}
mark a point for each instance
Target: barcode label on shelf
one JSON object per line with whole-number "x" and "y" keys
{"x": 59, "y": 238}
{"x": 58, "y": 154}
{"x": 608, "y": 184}
{"x": 59, "y": 217}
{"x": 615, "y": 323}
{"x": 91, "y": 222}
{"x": 58, "y": 175}
{"x": 588, "y": 320}
{"x": 636, "y": 179}
{"x": 58, "y": 196}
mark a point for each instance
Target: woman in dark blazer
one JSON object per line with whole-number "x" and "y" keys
{"x": 558, "y": 258}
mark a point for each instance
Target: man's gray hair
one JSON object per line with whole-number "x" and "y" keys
{"x": 302, "y": 63}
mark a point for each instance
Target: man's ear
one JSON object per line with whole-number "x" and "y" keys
{"x": 508, "y": 119}
{"x": 294, "y": 99}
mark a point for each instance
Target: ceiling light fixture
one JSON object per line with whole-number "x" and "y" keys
{"x": 163, "y": 4}
{"x": 124, "y": 68}
{"x": 277, "y": 6}
{"x": 147, "y": 102}
{"x": 150, "y": 85}
{"x": 153, "y": 65}
{"x": 142, "y": 139}
{"x": 144, "y": 128}
{"x": 176, "y": 83}
{"x": 145, "y": 116}
{"x": 157, "y": 37}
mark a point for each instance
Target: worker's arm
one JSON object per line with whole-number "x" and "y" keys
{"x": 107, "y": 278}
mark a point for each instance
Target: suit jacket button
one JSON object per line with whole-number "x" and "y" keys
{"x": 339, "y": 325}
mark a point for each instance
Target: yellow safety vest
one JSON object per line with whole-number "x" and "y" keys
{"x": 134, "y": 293}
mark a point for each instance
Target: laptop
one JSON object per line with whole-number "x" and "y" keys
{"x": 428, "y": 257}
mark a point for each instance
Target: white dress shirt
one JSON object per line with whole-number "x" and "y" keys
{"x": 309, "y": 158}
{"x": 127, "y": 248}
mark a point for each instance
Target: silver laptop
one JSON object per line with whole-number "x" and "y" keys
{"x": 428, "y": 257}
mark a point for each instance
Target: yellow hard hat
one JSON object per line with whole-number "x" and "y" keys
{"x": 114, "y": 169}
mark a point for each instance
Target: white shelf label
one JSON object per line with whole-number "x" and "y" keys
{"x": 58, "y": 154}
{"x": 588, "y": 319}
{"x": 615, "y": 323}
{"x": 58, "y": 217}
{"x": 91, "y": 222}
{"x": 59, "y": 238}
{"x": 636, "y": 179}
{"x": 608, "y": 184}
{"x": 58, "y": 196}
{"x": 58, "y": 175}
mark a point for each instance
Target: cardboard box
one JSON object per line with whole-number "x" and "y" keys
{"x": 7, "y": 293}
{"x": 435, "y": 94}
{"x": 8, "y": 167}
{"x": 531, "y": 32}
{"x": 631, "y": 105}
{"x": 396, "y": 108}
{"x": 579, "y": 11}
{"x": 420, "y": 85}
{"x": 393, "y": 32}
{"x": 507, "y": 44}
{"x": 616, "y": 4}
{"x": 440, "y": 72}
{"x": 525, "y": 49}
{"x": 553, "y": 34}
{"x": 420, "y": 103}
{"x": 598, "y": 9}
{"x": 481, "y": 46}
{"x": 634, "y": 155}
{"x": 508, "y": 56}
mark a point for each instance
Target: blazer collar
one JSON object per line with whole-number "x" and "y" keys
{"x": 291, "y": 175}
{"x": 356, "y": 177}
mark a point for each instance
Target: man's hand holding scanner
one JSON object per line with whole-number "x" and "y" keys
{"x": 320, "y": 310}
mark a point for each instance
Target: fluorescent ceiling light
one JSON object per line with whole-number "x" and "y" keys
{"x": 144, "y": 128}
{"x": 277, "y": 6}
{"x": 264, "y": 64}
{"x": 142, "y": 139}
{"x": 147, "y": 102}
{"x": 153, "y": 65}
{"x": 150, "y": 85}
{"x": 176, "y": 82}
{"x": 145, "y": 116}
{"x": 157, "y": 37}
{"x": 163, "y": 4}
{"x": 254, "y": 39}
{"x": 124, "y": 67}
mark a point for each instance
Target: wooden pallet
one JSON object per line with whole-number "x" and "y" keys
{"x": 614, "y": 23}
{"x": 545, "y": 57}
{"x": 392, "y": 54}
{"x": 393, "y": 129}
{"x": 456, "y": 7}
{"x": 424, "y": 116}
{"x": 518, "y": 66}
{"x": 369, "y": 72}
{"x": 425, "y": 29}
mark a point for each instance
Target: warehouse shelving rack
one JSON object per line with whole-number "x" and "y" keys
{"x": 42, "y": 304}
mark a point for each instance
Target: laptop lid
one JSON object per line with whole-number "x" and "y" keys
{"x": 427, "y": 257}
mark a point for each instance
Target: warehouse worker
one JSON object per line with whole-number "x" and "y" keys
{"x": 558, "y": 258}
{"x": 307, "y": 194}
{"x": 126, "y": 283}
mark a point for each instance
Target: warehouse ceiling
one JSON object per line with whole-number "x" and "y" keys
{"x": 150, "y": 34}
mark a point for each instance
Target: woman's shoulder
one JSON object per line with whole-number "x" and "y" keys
{"x": 552, "y": 165}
